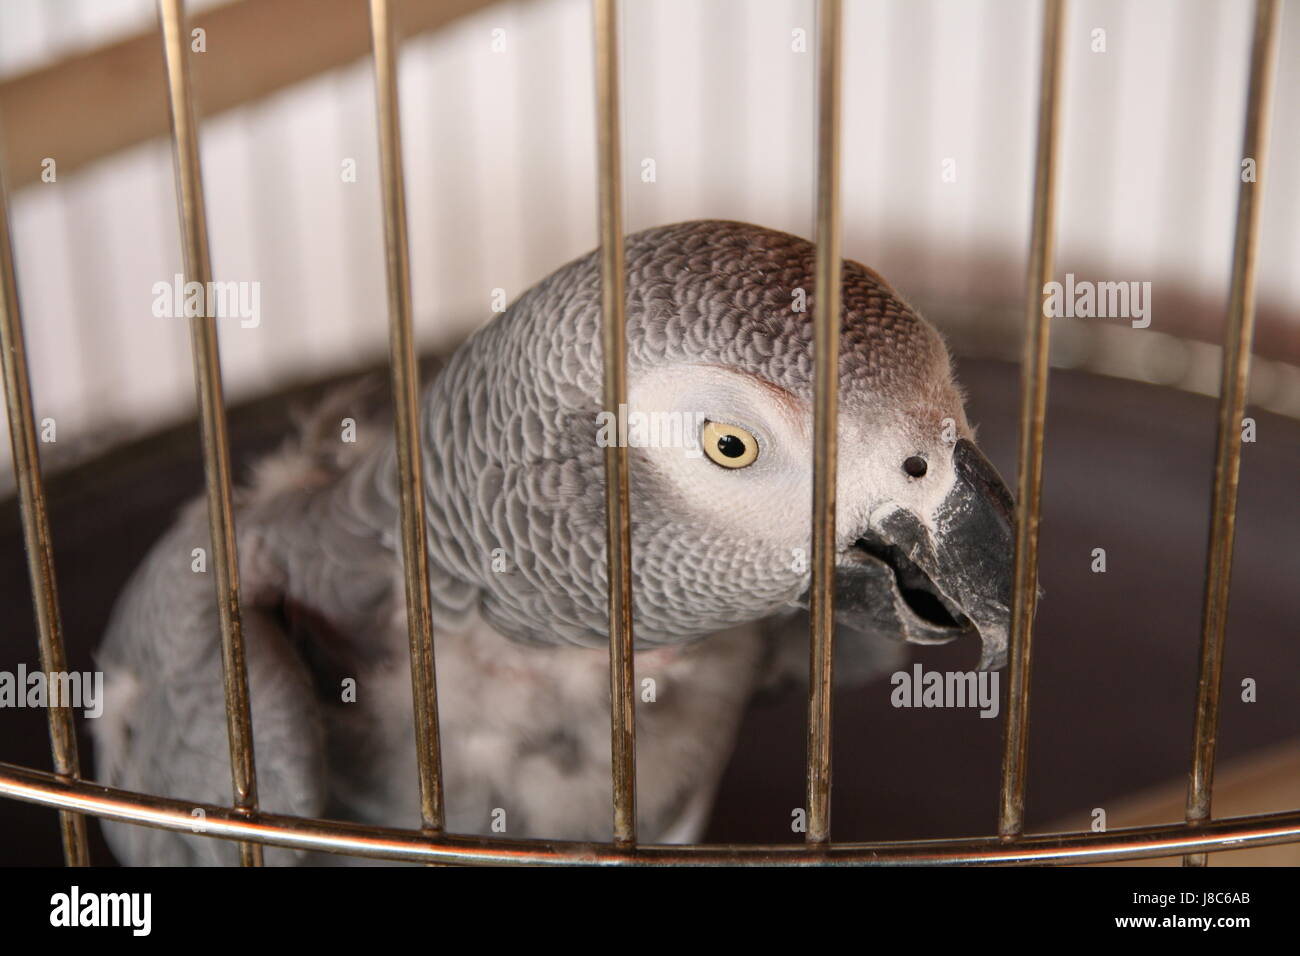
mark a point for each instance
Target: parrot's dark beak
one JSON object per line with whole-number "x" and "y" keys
{"x": 903, "y": 581}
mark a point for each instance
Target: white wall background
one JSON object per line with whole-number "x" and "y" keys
{"x": 500, "y": 165}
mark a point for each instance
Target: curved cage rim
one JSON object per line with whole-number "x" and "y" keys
{"x": 352, "y": 839}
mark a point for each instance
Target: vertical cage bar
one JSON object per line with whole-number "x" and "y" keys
{"x": 211, "y": 402}
{"x": 1033, "y": 411}
{"x": 826, "y": 362}
{"x": 618, "y": 519}
{"x": 1232, "y": 406}
{"x": 212, "y": 415}
{"x": 410, "y": 464}
{"x": 36, "y": 530}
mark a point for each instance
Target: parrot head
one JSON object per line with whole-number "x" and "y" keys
{"x": 719, "y": 425}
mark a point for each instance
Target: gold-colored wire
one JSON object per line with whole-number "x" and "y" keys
{"x": 36, "y": 531}
{"x": 212, "y": 415}
{"x": 355, "y": 839}
{"x": 1232, "y": 406}
{"x": 618, "y": 517}
{"x": 410, "y": 463}
{"x": 1033, "y": 412}
{"x": 826, "y": 383}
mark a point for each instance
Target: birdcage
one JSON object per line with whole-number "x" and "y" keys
{"x": 74, "y": 798}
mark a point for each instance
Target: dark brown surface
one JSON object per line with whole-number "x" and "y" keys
{"x": 1127, "y": 469}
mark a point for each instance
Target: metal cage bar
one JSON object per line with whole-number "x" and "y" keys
{"x": 212, "y": 415}
{"x": 826, "y": 385}
{"x": 357, "y": 839}
{"x": 618, "y": 517}
{"x": 1232, "y": 406}
{"x": 1033, "y": 412}
{"x": 36, "y": 530}
{"x": 410, "y": 461}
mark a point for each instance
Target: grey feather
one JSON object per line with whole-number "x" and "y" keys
{"x": 513, "y": 471}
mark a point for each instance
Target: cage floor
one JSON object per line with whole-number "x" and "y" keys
{"x": 1127, "y": 469}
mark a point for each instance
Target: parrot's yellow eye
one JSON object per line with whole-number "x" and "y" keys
{"x": 728, "y": 445}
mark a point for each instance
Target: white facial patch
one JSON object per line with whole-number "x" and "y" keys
{"x": 872, "y": 482}
{"x": 772, "y": 498}
{"x": 757, "y": 497}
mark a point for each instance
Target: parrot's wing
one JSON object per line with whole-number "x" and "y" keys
{"x": 163, "y": 728}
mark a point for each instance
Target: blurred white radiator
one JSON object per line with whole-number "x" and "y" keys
{"x": 717, "y": 102}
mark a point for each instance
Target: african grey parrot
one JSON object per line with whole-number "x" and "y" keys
{"x": 516, "y": 537}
